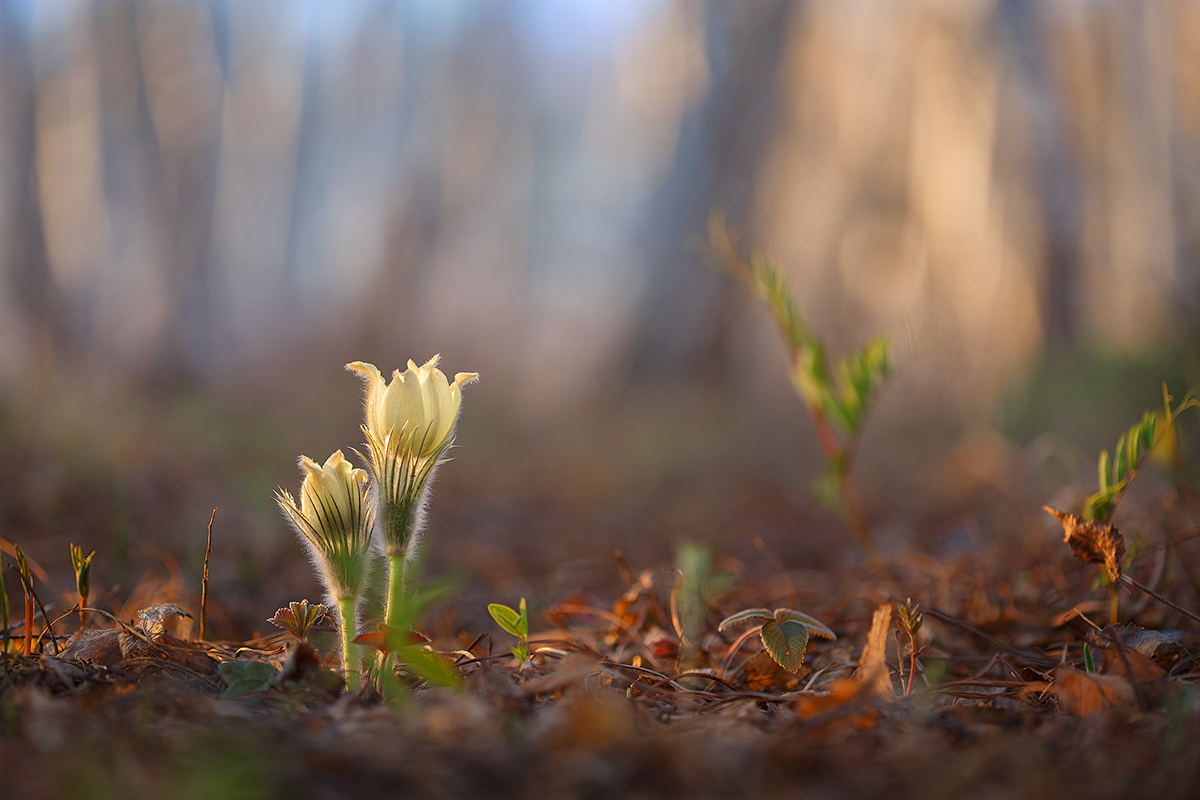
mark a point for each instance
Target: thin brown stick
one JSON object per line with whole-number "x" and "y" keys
{"x": 1132, "y": 582}
{"x": 204, "y": 579}
{"x": 733, "y": 648}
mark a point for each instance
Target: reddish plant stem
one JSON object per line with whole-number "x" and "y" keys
{"x": 28, "y": 624}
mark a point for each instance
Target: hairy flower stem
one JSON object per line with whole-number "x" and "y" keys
{"x": 349, "y": 648}
{"x": 395, "y": 606}
{"x": 395, "y": 598}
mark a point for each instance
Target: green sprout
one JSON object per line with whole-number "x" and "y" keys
{"x": 1092, "y": 537}
{"x": 1133, "y": 448}
{"x": 26, "y": 576}
{"x": 784, "y": 633}
{"x": 83, "y": 579}
{"x": 837, "y": 399}
{"x": 910, "y": 622}
{"x": 515, "y": 622}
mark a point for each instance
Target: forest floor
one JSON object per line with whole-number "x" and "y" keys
{"x": 648, "y": 698}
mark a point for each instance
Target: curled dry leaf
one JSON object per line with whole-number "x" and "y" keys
{"x": 872, "y": 667}
{"x": 1092, "y": 542}
{"x": 154, "y": 618}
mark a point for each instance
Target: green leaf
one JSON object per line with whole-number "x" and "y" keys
{"x": 430, "y": 667}
{"x": 1087, "y": 659}
{"x": 749, "y": 615}
{"x": 1103, "y": 466}
{"x": 785, "y": 641}
{"x": 814, "y": 625}
{"x": 247, "y": 676}
{"x": 509, "y": 619}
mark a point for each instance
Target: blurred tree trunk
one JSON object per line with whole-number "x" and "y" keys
{"x": 1056, "y": 179}
{"x": 184, "y": 51}
{"x": 684, "y": 322}
{"x": 24, "y": 264}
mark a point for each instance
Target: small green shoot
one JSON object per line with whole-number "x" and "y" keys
{"x": 3, "y": 608}
{"x": 784, "y": 632}
{"x": 1133, "y": 448}
{"x": 83, "y": 579}
{"x": 837, "y": 399}
{"x": 1088, "y": 664}
{"x": 698, "y": 588}
{"x": 515, "y": 622}
{"x": 27, "y": 584}
{"x": 910, "y": 622}
{"x": 1092, "y": 538}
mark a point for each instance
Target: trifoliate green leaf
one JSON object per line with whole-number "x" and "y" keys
{"x": 785, "y": 641}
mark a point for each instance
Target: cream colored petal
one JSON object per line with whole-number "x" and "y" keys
{"x": 429, "y": 405}
{"x": 375, "y": 390}
{"x": 444, "y": 408}
{"x": 402, "y": 405}
{"x": 464, "y": 378}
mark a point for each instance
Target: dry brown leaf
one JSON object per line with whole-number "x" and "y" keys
{"x": 1083, "y": 694}
{"x": 761, "y": 674}
{"x": 572, "y": 671}
{"x": 872, "y": 667}
{"x": 843, "y": 696}
{"x": 99, "y": 647}
{"x": 1092, "y": 542}
{"x": 1141, "y": 667}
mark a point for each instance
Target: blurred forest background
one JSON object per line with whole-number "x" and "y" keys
{"x": 208, "y": 207}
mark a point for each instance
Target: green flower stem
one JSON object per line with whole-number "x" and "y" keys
{"x": 349, "y": 648}
{"x": 395, "y": 605}
{"x": 395, "y": 599}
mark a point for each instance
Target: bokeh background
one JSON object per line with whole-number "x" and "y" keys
{"x": 208, "y": 208}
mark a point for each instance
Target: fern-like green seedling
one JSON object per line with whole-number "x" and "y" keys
{"x": 1133, "y": 448}
{"x": 515, "y": 622}
{"x": 298, "y": 618}
{"x": 837, "y": 399}
{"x": 784, "y": 632}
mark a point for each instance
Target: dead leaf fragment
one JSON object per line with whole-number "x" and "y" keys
{"x": 763, "y": 674}
{"x": 872, "y": 667}
{"x": 1092, "y": 542}
{"x": 1131, "y": 665}
{"x": 847, "y": 701}
{"x": 1081, "y": 693}
{"x": 99, "y": 647}
{"x": 154, "y": 618}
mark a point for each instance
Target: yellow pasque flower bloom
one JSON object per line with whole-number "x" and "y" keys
{"x": 409, "y": 425}
{"x": 334, "y": 522}
{"x": 419, "y": 403}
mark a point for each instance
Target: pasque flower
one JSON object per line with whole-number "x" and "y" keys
{"x": 409, "y": 426}
{"x": 334, "y": 521}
